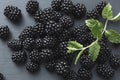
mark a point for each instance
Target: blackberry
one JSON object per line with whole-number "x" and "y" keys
{"x": 71, "y": 76}
{"x": 67, "y": 6}
{"x": 28, "y": 43}
{"x": 56, "y": 5}
{"x": 86, "y": 62}
{"x": 84, "y": 74}
{"x": 114, "y": 61}
{"x": 4, "y": 32}
{"x": 100, "y": 6}
{"x": 32, "y": 67}
{"x": 34, "y": 56}
{"x": 15, "y": 45}
{"x": 39, "y": 43}
{"x": 50, "y": 66}
{"x": 104, "y": 71}
{"x": 92, "y": 14}
{"x": 13, "y": 13}
{"x": 66, "y": 21}
{"x": 39, "y": 16}
{"x": 1, "y": 76}
{"x": 27, "y": 33}
{"x": 53, "y": 28}
{"x": 79, "y": 10}
{"x": 49, "y": 41}
{"x": 46, "y": 54}
{"x": 19, "y": 57}
{"x": 32, "y": 6}
{"x": 61, "y": 67}
{"x": 58, "y": 15}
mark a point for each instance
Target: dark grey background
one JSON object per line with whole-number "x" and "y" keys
{"x": 14, "y": 72}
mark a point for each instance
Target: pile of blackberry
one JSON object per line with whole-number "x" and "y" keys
{"x": 45, "y": 42}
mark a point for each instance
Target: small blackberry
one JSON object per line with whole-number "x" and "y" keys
{"x": 15, "y": 45}
{"x": 50, "y": 66}
{"x": 46, "y": 54}
{"x": 32, "y": 67}
{"x": 56, "y": 5}
{"x": 114, "y": 61}
{"x": 86, "y": 62}
{"x": 19, "y": 57}
{"x": 66, "y": 21}
{"x": 92, "y": 14}
{"x": 61, "y": 67}
{"x": 49, "y": 41}
{"x": 84, "y": 74}
{"x": 79, "y": 11}
{"x": 1, "y": 76}
{"x": 53, "y": 28}
{"x": 13, "y": 13}
{"x": 100, "y": 6}
{"x": 39, "y": 43}
{"x": 39, "y": 16}
{"x": 28, "y": 43}
{"x": 27, "y": 33}
{"x": 67, "y": 6}
{"x": 104, "y": 71}
{"x": 32, "y": 6}
{"x": 4, "y": 32}
{"x": 34, "y": 56}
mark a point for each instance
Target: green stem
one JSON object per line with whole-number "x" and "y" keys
{"x": 105, "y": 27}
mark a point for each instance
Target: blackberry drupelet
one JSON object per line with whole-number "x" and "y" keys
{"x": 39, "y": 17}
{"x": 13, "y": 13}
{"x": 53, "y": 28}
{"x": 114, "y": 61}
{"x": 104, "y": 71}
{"x": 26, "y": 33}
{"x": 15, "y": 45}
{"x": 79, "y": 11}
{"x": 50, "y": 66}
{"x": 66, "y": 21}
{"x": 67, "y": 6}
{"x": 86, "y": 62}
{"x": 35, "y": 56}
{"x": 100, "y": 6}
{"x": 39, "y": 43}
{"x": 32, "y": 67}
{"x": 4, "y": 32}
{"x": 28, "y": 44}
{"x": 84, "y": 74}
{"x": 1, "y": 76}
{"x": 19, "y": 57}
{"x": 56, "y": 5}
{"x": 32, "y": 6}
{"x": 92, "y": 14}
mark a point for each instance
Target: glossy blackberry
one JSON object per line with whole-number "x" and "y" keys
{"x": 114, "y": 61}
{"x": 84, "y": 74}
{"x": 19, "y": 57}
{"x": 50, "y": 66}
{"x": 104, "y": 71}
{"x": 71, "y": 76}
{"x": 67, "y": 6}
{"x": 92, "y": 14}
{"x": 49, "y": 42}
{"x": 1, "y": 76}
{"x": 26, "y": 33}
{"x": 46, "y": 55}
{"x": 39, "y": 16}
{"x": 32, "y": 6}
{"x": 32, "y": 67}
{"x": 61, "y": 67}
{"x": 13, "y": 13}
{"x": 4, "y": 32}
{"x": 39, "y": 43}
{"x": 28, "y": 43}
{"x": 86, "y": 62}
{"x": 56, "y": 5}
{"x": 100, "y": 6}
{"x": 15, "y": 45}
{"x": 79, "y": 11}
{"x": 66, "y": 21}
{"x": 53, "y": 28}
{"x": 34, "y": 56}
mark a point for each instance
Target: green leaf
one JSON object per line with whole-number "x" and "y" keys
{"x": 113, "y": 36}
{"x": 78, "y": 56}
{"x": 96, "y": 27}
{"x": 94, "y": 50}
{"x": 116, "y": 18}
{"x": 107, "y": 12}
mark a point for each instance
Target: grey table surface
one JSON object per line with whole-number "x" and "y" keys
{"x": 14, "y": 72}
